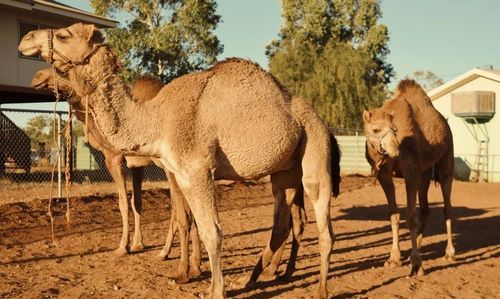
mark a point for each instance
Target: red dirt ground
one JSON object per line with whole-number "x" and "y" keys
{"x": 84, "y": 266}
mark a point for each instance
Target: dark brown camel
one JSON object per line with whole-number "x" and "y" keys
{"x": 407, "y": 137}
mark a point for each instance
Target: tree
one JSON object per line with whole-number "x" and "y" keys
{"x": 167, "y": 38}
{"x": 427, "y": 79}
{"x": 42, "y": 130}
{"x": 333, "y": 52}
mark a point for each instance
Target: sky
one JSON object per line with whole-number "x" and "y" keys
{"x": 447, "y": 37}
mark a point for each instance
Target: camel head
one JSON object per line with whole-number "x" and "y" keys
{"x": 71, "y": 45}
{"x": 44, "y": 79}
{"x": 380, "y": 132}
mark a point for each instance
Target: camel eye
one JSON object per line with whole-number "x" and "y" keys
{"x": 62, "y": 36}
{"x": 376, "y": 130}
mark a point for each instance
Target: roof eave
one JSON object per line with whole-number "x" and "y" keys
{"x": 461, "y": 80}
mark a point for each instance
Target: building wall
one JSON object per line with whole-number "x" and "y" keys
{"x": 464, "y": 144}
{"x": 16, "y": 70}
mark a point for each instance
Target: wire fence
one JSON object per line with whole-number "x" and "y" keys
{"x": 33, "y": 145}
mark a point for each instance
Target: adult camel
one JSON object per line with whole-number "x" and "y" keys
{"x": 233, "y": 121}
{"x": 142, "y": 89}
{"x": 409, "y": 138}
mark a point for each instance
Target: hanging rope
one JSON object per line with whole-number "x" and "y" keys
{"x": 67, "y": 163}
{"x": 67, "y": 160}
{"x": 54, "y": 124}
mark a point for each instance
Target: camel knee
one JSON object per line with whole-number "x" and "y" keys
{"x": 312, "y": 190}
{"x": 211, "y": 235}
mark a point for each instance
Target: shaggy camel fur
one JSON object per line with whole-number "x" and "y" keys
{"x": 143, "y": 89}
{"x": 408, "y": 137}
{"x": 233, "y": 121}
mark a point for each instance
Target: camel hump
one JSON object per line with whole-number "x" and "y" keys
{"x": 145, "y": 88}
{"x": 413, "y": 93}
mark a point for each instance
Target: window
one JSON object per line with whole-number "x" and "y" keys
{"x": 24, "y": 28}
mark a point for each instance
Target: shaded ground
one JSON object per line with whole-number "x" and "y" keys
{"x": 83, "y": 265}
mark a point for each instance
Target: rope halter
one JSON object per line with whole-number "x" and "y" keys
{"x": 69, "y": 63}
{"x": 380, "y": 149}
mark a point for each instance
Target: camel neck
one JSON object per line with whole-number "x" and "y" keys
{"x": 116, "y": 115}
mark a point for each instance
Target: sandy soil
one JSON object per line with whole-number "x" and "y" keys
{"x": 84, "y": 266}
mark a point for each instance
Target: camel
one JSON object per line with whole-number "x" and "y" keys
{"x": 142, "y": 89}
{"x": 407, "y": 137}
{"x": 233, "y": 121}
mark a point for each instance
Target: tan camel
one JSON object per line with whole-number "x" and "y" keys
{"x": 233, "y": 121}
{"x": 143, "y": 89}
{"x": 409, "y": 138}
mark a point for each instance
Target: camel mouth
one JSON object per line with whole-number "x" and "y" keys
{"x": 40, "y": 85}
{"x": 39, "y": 82}
{"x": 31, "y": 51}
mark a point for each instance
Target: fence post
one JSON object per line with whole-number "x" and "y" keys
{"x": 59, "y": 154}
{"x": 356, "y": 154}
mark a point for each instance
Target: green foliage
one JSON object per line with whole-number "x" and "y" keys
{"x": 167, "y": 38}
{"x": 40, "y": 129}
{"x": 333, "y": 53}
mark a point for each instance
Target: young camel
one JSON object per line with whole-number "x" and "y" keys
{"x": 143, "y": 89}
{"x": 409, "y": 138}
{"x": 233, "y": 121}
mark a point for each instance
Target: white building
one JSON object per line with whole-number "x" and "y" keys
{"x": 464, "y": 100}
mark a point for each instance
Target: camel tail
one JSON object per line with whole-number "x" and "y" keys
{"x": 335, "y": 165}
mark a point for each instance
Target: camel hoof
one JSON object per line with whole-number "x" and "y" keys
{"x": 268, "y": 272}
{"x": 390, "y": 263}
{"x": 180, "y": 278}
{"x": 194, "y": 272}
{"x": 417, "y": 270}
{"x": 162, "y": 256}
{"x": 120, "y": 251}
{"x": 449, "y": 258}
{"x": 321, "y": 293}
{"x": 136, "y": 248}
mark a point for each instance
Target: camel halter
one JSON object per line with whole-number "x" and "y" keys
{"x": 70, "y": 63}
{"x": 380, "y": 149}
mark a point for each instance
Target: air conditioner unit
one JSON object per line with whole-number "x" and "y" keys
{"x": 473, "y": 104}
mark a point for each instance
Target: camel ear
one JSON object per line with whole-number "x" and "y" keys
{"x": 366, "y": 116}
{"x": 91, "y": 32}
{"x": 391, "y": 114}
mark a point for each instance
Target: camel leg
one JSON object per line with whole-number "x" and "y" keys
{"x": 114, "y": 165}
{"x": 284, "y": 189}
{"x": 384, "y": 177}
{"x": 445, "y": 172}
{"x": 424, "y": 204}
{"x": 136, "y": 203}
{"x": 165, "y": 251}
{"x": 175, "y": 192}
{"x": 195, "y": 257}
{"x": 412, "y": 176}
{"x": 297, "y": 222}
{"x": 199, "y": 189}
{"x": 182, "y": 221}
{"x": 317, "y": 184}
